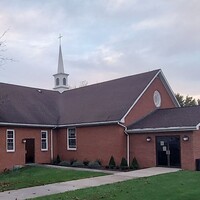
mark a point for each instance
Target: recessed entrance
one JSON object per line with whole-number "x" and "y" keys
{"x": 168, "y": 151}
{"x": 30, "y": 150}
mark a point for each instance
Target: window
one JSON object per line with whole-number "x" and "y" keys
{"x": 157, "y": 99}
{"x": 10, "y": 140}
{"x": 64, "y": 81}
{"x": 44, "y": 140}
{"x": 57, "y": 81}
{"x": 71, "y": 139}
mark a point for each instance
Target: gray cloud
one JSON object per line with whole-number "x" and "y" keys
{"x": 103, "y": 39}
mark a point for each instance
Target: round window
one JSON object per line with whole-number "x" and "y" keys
{"x": 157, "y": 99}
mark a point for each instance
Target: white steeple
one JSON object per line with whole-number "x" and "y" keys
{"x": 61, "y": 78}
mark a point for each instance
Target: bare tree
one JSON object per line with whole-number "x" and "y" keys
{"x": 3, "y": 59}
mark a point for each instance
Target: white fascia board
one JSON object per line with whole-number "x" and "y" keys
{"x": 88, "y": 124}
{"x": 123, "y": 118}
{"x": 198, "y": 125}
{"x": 168, "y": 87}
{"x": 59, "y": 126}
{"x": 167, "y": 129}
{"x": 27, "y": 125}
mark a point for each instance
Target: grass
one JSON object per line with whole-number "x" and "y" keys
{"x": 34, "y": 175}
{"x": 183, "y": 185}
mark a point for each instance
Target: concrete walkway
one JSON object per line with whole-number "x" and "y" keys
{"x": 56, "y": 188}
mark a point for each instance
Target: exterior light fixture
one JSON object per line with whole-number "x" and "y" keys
{"x": 185, "y": 138}
{"x": 23, "y": 141}
{"x": 148, "y": 139}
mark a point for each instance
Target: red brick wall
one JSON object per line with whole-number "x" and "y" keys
{"x": 196, "y": 145}
{"x": 146, "y": 104}
{"x": 145, "y": 152}
{"x": 9, "y": 159}
{"x": 99, "y": 142}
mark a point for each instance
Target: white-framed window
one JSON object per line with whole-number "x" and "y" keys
{"x": 10, "y": 140}
{"x": 44, "y": 140}
{"x": 71, "y": 139}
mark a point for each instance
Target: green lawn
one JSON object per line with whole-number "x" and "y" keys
{"x": 183, "y": 185}
{"x": 33, "y": 176}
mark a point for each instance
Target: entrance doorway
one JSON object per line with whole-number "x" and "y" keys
{"x": 168, "y": 151}
{"x": 30, "y": 150}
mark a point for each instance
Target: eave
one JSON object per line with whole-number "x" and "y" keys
{"x": 164, "y": 129}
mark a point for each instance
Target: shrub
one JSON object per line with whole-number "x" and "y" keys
{"x": 124, "y": 164}
{"x": 78, "y": 164}
{"x": 65, "y": 163}
{"x": 134, "y": 164}
{"x": 94, "y": 165}
{"x": 72, "y": 161}
{"x": 86, "y": 162}
{"x": 57, "y": 160}
{"x": 99, "y": 161}
{"x": 112, "y": 163}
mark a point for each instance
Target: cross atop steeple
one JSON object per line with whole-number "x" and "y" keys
{"x": 61, "y": 78}
{"x": 60, "y": 36}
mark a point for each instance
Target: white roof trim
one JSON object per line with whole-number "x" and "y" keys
{"x": 58, "y": 126}
{"x": 27, "y": 125}
{"x": 123, "y": 118}
{"x": 164, "y": 129}
{"x": 198, "y": 125}
{"x": 166, "y": 83}
{"x": 88, "y": 124}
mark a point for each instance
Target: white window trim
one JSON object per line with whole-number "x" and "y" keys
{"x": 69, "y": 148}
{"x": 12, "y": 150}
{"x": 46, "y": 132}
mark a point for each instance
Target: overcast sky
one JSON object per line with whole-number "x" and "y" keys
{"x": 102, "y": 40}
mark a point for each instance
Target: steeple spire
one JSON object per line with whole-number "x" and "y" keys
{"x": 60, "y": 59}
{"x": 61, "y": 78}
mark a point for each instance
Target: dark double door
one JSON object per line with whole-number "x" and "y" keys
{"x": 168, "y": 151}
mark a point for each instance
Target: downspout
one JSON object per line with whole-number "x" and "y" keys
{"x": 127, "y": 143}
{"x": 51, "y": 148}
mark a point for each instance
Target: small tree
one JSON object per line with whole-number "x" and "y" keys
{"x": 124, "y": 164}
{"x": 134, "y": 164}
{"x": 112, "y": 163}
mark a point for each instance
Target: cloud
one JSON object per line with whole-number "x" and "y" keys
{"x": 103, "y": 39}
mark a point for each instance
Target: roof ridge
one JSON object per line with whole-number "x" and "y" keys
{"x": 116, "y": 79}
{"x": 27, "y": 87}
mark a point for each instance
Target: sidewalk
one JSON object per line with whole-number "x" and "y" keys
{"x": 56, "y": 188}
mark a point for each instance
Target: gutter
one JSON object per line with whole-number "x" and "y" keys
{"x": 88, "y": 124}
{"x": 167, "y": 129}
{"x": 127, "y": 143}
{"x": 58, "y": 126}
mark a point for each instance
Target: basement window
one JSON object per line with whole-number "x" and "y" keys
{"x": 71, "y": 139}
{"x": 10, "y": 140}
{"x": 44, "y": 141}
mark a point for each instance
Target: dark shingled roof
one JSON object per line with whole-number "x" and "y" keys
{"x": 107, "y": 101}
{"x": 172, "y": 117}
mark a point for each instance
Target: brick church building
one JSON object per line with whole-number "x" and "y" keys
{"x": 135, "y": 116}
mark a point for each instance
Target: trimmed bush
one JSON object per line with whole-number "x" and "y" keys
{"x": 65, "y": 163}
{"x": 94, "y": 165}
{"x": 124, "y": 164}
{"x": 57, "y": 160}
{"x": 112, "y": 163}
{"x": 72, "y": 161}
{"x": 99, "y": 161}
{"x": 78, "y": 164}
{"x": 134, "y": 164}
{"x": 86, "y": 162}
